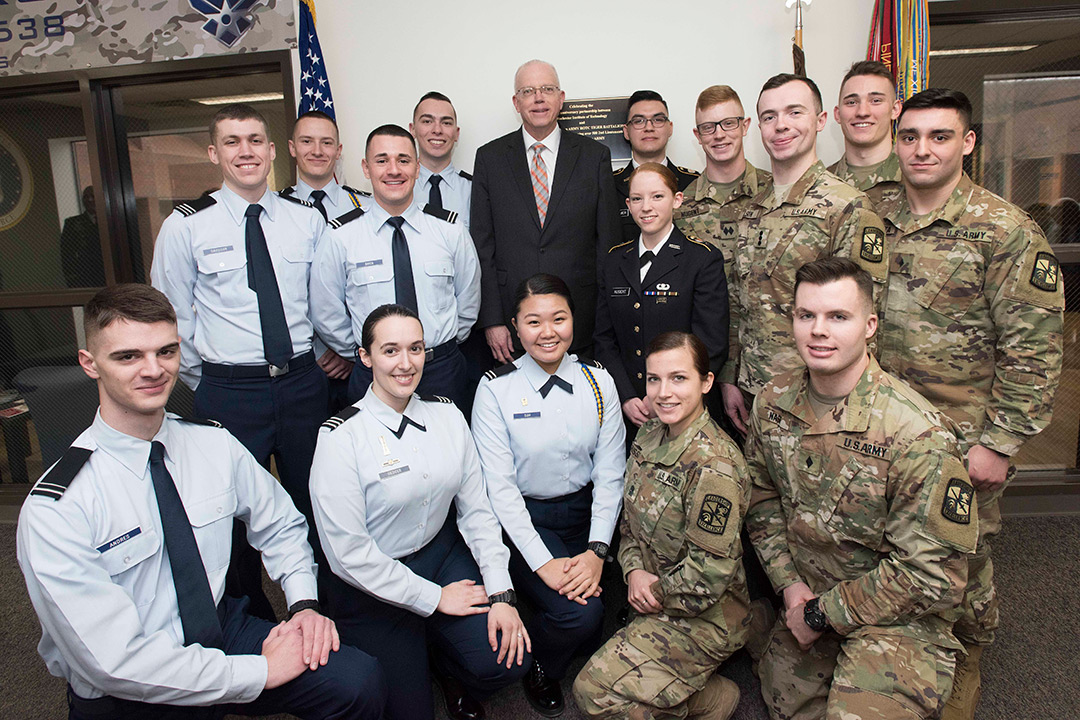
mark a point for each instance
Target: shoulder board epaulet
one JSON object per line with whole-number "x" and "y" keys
{"x": 443, "y": 214}
{"x": 55, "y": 482}
{"x": 189, "y": 208}
{"x": 354, "y": 191}
{"x": 467, "y": 176}
{"x": 590, "y": 362}
{"x": 621, "y": 245}
{"x": 287, "y": 192}
{"x": 338, "y": 420}
{"x": 436, "y": 398}
{"x": 296, "y": 200}
{"x": 624, "y": 168}
{"x": 347, "y": 217}
{"x": 687, "y": 171}
{"x": 201, "y": 421}
{"x": 694, "y": 240}
{"x": 500, "y": 371}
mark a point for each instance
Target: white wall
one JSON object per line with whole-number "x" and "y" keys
{"x": 382, "y": 56}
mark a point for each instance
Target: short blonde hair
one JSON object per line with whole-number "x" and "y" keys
{"x": 716, "y": 94}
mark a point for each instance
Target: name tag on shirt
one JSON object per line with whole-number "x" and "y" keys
{"x": 215, "y": 251}
{"x": 119, "y": 539}
{"x": 392, "y": 473}
{"x": 526, "y": 415}
{"x": 620, "y": 292}
{"x": 369, "y": 263}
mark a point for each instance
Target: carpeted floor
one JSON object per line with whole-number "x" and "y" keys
{"x": 1031, "y": 672}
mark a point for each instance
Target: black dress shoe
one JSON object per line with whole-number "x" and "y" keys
{"x": 543, "y": 693}
{"x": 460, "y": 705}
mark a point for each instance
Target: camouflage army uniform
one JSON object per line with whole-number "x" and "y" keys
{"x": 973, "y": 322}
{"x": 884, "y": 182}
{"x": 871, "y": 507}
{"x": 717, "y": 220}
{"x": 683, "y": 506}
{"x": 821, "y": 217}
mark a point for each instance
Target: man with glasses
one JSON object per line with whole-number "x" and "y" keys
{"x": 543, "y": 201}
{"x": 868, "y": 106}
{"x": 715, "y": 203}
{"x": 648, "y": 129}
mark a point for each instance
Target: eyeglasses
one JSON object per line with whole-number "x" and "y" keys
{"x": 528, "y": 92}
{"x": 638, "y": 121}
{"x": 727, "y": 124}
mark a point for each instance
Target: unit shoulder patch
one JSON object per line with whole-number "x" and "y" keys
{"x": 55, "y": 483}
{"x": 872, "y": 247}
{"x": 338, "y": 420}
{"x": 441, "y": 213}
{"x": 714, "y": 512}
{"x": 347, "y": 217}
{"x": 1045, "y": 274}
{"x": 956, "y": 505}
{"x": 951, "y": 512}
{"x": 189, "y": 208}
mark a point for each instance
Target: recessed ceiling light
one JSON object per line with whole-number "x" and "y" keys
{"x": 981, "y": 50}
{"x": 250, "y": 98}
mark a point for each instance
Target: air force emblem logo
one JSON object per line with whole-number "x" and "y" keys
{"x": 227, "y": 20}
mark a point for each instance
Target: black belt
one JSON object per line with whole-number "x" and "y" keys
{"x": 434, "y": 353}
{"x": 258, "y": 371}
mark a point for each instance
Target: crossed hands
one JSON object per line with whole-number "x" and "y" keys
{"x": 303, "y": 643}
{"x": 576, "y": 578}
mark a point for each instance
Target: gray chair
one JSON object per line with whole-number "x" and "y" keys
{"x": 62, "y": 402}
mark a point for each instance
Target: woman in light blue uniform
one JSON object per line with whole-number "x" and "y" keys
{"x": 407, "y": 578}
{"x": 550, "y": 434}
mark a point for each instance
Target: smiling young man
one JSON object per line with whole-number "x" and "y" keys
{"x": 125, "y": 542}
{"x": 439, "y": 184}
{"x": 868, "y": 106}
{"x": 862, "y": 515}
{"x": 398, "y": 253}
{"x": 235, "y": 265}
{"x": 806, "y": 214}
{"x": 973, "y": 322}
{"x": 648, "y": 128}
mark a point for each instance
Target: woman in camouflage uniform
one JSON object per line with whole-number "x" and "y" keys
{"x": 686, "y": 492}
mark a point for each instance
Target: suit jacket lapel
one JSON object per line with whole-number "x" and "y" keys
{"x": 667, "y": 260}
{"x": 631, "y": 267}
{"x": 518, "y": 157}
{"x": 564, "y": 168}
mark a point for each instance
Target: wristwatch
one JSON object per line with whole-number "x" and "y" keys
{"x": 304, "y": 605}
{"x": 507, "y": 596}
{"x": 601, "y": 549}
{"x": 814, "y": 618}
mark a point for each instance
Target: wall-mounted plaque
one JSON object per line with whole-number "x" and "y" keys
{"x": 601, "y": 119}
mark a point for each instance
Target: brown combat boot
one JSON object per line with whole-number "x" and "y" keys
{"x": 967, "y": 686}
{"x": 716, "y": 701}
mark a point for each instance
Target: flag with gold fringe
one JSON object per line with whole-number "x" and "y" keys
{"x": 797, "y": 54}
{"x": 314, "y": 82}
{"x": 900, "y": 38}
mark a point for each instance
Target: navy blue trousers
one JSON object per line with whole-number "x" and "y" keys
{"x": 277, "y": 417}
{"x": 560, "y": 627}
{"x": 401, "y": 639}
{"x": 444, "y": 376}
{"x": 351, "y": 686}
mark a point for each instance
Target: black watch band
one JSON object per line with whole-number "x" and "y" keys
{"x": 304, "y": 605}
{"x": 814, "y": 618}
{"x": 507, "y": 596}
{"x": 601, "y": 549}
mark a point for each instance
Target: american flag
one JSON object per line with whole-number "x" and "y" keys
{"x": 314, "y": 83}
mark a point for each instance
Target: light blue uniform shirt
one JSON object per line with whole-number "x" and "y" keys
{"x": 378, "y": 498}
{"x": 546, "y": 448}
{"x": 338, "y": 200}
{"x": 99, "y": 576}
{"x": 354, "y": 273}
{"x": 200, "y": 263}
{"x": 456, "y": 191}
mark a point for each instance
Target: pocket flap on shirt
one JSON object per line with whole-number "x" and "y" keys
{"x": 215, "y": 260}
{"x": 298, "y": 252}
{"x": 128, "y": 554}
{"x": 439, "y": 268}
{"x": 211, "y": 509}
{"x": 364, "y": 272}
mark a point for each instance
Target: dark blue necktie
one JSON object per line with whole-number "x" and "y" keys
{"x": 193, "y": 597}
{"x": 404, "y": 285}
{"x": 277, "y": 345}
{"x": 435, "y": 194}
{"x": 555, "y": 381}
{"x": 317, "y": 196}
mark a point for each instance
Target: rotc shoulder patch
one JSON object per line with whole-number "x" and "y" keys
{"x": 1044, "y": 275}
{"x": 956, "y": 506}
{"x": 872, "y": 248}
{"x": 713, "y": 514}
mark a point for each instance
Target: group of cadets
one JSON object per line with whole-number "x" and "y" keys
{"x": 878, "y": 338}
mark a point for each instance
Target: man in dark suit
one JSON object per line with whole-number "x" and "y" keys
{"x": 543, "y": 201}
{"x": 648, "y": 128}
